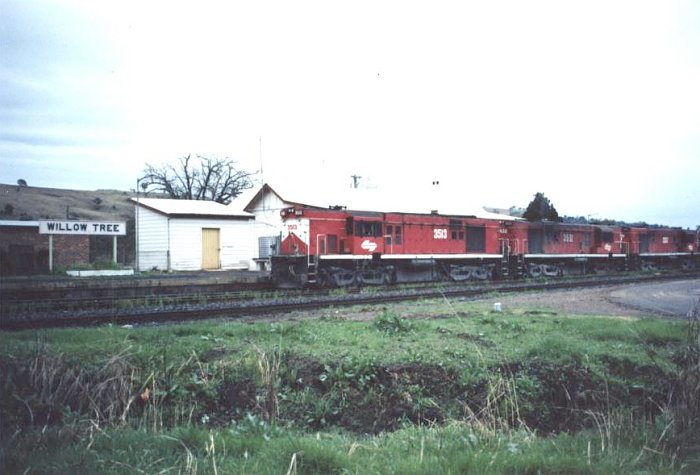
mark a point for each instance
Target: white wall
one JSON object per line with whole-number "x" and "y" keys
{"x": 238, "y": 243}
{"x": 268, "y": 221}
{"x": 183, "y": 238}
{"x": 267, "y": 214}
{"x": 152, "y": 238}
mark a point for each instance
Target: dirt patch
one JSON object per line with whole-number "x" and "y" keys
{"x": 587, "y": 301}
{"x": 369, "y": 398}
{"x": 235, "y": 399}
{"x": 478, "y": 339}
{"x": 670, "y": 299}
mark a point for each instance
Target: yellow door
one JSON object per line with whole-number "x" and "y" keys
{"x": 210, "y": 248}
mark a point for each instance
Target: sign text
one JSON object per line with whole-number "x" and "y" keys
{"x": 83, "y": 227}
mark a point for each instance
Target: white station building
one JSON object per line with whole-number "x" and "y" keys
{"x": 190, "y": 235}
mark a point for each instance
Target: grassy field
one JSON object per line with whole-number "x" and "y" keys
{"x": 430, "y": 387}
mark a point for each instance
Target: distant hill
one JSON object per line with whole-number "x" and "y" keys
{"x": 30, "y": 203}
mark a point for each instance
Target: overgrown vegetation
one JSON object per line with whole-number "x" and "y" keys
{"x": 434, "y": 387}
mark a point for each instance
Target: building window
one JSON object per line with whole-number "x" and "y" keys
{"x": 567, "y": 237}
{"x": 398, "y": 236}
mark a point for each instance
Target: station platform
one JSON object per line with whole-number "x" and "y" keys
{"x": 140, "y": 280}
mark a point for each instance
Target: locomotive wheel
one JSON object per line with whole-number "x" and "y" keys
{"x": 535, "y": 270}
{"x": 389, "y": 277}
{"x": 460, "y": 273}
{"x": 343, "y": 278}
{"x": 480, "y": 273}
{"x": 648, "y": 266}
{"x": 552, "y": 271}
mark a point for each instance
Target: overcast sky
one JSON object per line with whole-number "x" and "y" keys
{"x": 594, "y": 103}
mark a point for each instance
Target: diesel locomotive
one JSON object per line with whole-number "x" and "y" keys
{"x": 337, "y": 247}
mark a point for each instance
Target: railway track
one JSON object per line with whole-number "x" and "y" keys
{"x": 159, "y": 308}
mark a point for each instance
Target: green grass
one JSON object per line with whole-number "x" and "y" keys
{"x": 456, "y": 448}
{"x": 431, "y": 387}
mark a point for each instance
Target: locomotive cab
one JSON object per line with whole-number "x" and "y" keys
{"x": 364, "y": 235}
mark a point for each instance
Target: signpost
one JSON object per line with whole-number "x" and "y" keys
{"x": 90, "y": 228}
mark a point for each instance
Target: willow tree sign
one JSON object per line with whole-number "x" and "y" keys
{"x": 82, "y": 228}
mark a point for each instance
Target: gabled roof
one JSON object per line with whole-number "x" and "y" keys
{"x": 265, "y": 189}
{"x": 192, "y": 208}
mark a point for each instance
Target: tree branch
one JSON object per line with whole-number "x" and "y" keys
{"x": 214, "y": 179}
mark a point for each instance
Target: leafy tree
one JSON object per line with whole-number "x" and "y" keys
{"x": 21, "y": 182}
{"x": 540, "y": 209}
{"x": 212, "y": 179}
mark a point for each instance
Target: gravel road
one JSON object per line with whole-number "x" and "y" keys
{"x": 665, "y": 299}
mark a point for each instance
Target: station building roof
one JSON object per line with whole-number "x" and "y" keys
{"x": 19, "y": 224}
{"x": 192, "y": 208}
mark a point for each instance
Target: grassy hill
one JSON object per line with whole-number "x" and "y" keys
{"x": 35, "y": 203}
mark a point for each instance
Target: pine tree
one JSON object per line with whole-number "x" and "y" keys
{"x": 541, "y": 209}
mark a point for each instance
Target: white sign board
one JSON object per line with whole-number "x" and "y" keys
{"x": 98, "y": 228}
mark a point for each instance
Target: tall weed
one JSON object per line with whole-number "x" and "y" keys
{"x": 685, "y": 402}
{"x": 50, "y": 386}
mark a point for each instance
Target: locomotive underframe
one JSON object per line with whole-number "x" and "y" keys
{"x": 557, "y": 265}
{"x": 344, "y": 271}
{"x": 349, "y": 270}
{"x": 649, "y": 262}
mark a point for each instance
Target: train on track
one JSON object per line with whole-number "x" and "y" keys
{"x": 337, "y": 247}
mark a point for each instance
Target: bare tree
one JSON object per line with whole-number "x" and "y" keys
{"x": 212, "y": 179}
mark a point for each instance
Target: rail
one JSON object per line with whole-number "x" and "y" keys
{"x": 265, "y": 304}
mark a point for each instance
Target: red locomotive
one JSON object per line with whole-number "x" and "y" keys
{"x": 338, "y": 247}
